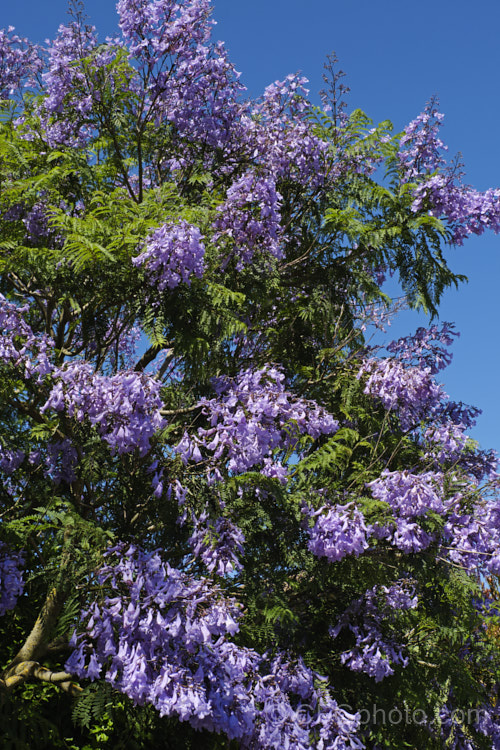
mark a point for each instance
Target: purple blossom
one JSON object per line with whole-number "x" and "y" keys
{"x": 68, "y": 101}
{"x": 438, "y": 189}
{"x": 19, "y": 346}
{"x": 183, "y": 77}
{"x": 61, "y": 459}
{"x": 420, "y": 148}
{"x": 152, "y": 30}
{"x": 124, "y": 408}
{"x": 339, "y": 532}
{"x": 218, "y": 543}
{"x": 445, "y": 442}
{"x": 253, "y": 420}
{"x": 173, "y": 254}
{"x": 400, "y": 595}
{"x": 177, "y": 75}
{"x": 36, "y": 222}
{"x": 488, "y": 723}
{"x": 410, "y": 392}
{"x": 409, "y": 495}
{"x": 202, "y": 101}
{"x": 64, "y": 78}
{"x": 452, "y": 729}
{"x": 249, "y": 219}
{"x": 283, "y": 132}
{"x": 471, "y": 536}
{"x": 374, "y": 653}
{"x": 276, "y": 135}
{"x": 427, "y": 348}
{"x": 163, "y": 638}
{"x": 19, "y": 62}
{"x": 460, "y": 414}
{"x": 409, "y": 537}
{"x": 10, "y": 460}
{"x": 480, "y": 465}
{"x": 11, "y": 578}
{"x": 405, "y": 385}
{"x": 471, "y": 533}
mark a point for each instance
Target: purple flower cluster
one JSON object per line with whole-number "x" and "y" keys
{"x": 19, "y": 62}
{"x": 36, "y": 222}
{"x": 439, "y": 425}
{"x": 252, "y": 420}
{"x": 481, "y": 465}
{"x": 249, "y": 218}
{"x": 198, "y": 91}
{"x": 163, "y": 638}
{"x": 374, "y": 653}
{"x": 10, "y": 460}
{"x": 218, "y": 543}
{"x": 468, "y": 211}
{"x": 125, "y": 408}
{"x": 339, "y": 532}
{"x": 275, "y": 135}
{"x": 471, "y": 536}
{"x": 438, "y": 189}
{"x": 445, "y": 442}
{"x": 408, "y": 496}
{"x": 420, "y": 148}
{"x": 405, "y": 385}
{"x": 11, "y": 578}
{"x": 153, "y": 30}
{"x": 427, "y": 348}
{"x": 60, "y": 461}
{"x": 19, "y": 345}
{"x": 67, "y": 87}
{"x": 342, "y": 529}
{"x": 173, "y": 254}
{"x": 400, "y": 595}
{"x": 410, "y": 392}
{"x": 488, "y": 723}
{"x": 201, "y": 101}
{"x": 184, "y": 78}
{"x": 456, "y": 734}
{"x": 460, "y": 413}
{"x": 283, "y": 134}
{"x": 177, "y": 75}
{"x": 12, "y": 481}
{"x": 65, "y": 78}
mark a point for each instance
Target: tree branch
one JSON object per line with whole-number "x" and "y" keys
{"x": 32, "y": 670}
{"x": 148, "y": 357}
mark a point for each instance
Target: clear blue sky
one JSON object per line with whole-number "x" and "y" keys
{"x": 396, "y": 56}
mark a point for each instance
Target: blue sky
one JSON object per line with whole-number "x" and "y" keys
{"x": 396, "y": 56}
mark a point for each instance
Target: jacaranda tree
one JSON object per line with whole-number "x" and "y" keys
{"x": 227, "y": 520}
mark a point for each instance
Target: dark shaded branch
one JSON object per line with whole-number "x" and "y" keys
{"x": 148, "y": 357}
